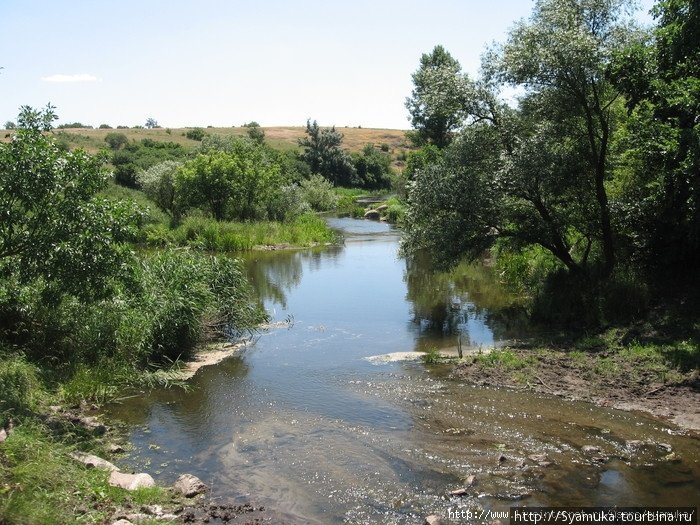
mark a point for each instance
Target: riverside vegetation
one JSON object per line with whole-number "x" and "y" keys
{"x": 87, "y": 315}
{"x": 584, "y": 195}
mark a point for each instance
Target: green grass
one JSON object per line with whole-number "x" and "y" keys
{"x": 41, "y": 485}
{"x": 431, "y": 356}
{"x": 505, "y": 359}
{"x": 20, "y": 388}
{"x": 208, "y": 234}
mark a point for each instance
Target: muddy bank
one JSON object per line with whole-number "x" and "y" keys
{"x": 598, "y": 378}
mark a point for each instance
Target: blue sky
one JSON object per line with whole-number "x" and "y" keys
{"x": 222, "y": 63}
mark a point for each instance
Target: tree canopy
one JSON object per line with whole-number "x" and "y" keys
{"x": 55, "y": 226}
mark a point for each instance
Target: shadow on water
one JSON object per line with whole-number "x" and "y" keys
{"x": 305, "y": 424}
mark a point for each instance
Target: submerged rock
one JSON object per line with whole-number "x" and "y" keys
{"x": 434, "y": 520}
{"x": 190, "y": 485}
{"x": 590, "y": 449}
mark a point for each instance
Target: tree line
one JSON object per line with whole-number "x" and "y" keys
{"x": 586, "y": 180}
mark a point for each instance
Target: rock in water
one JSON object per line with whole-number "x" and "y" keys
{"x": 434, "y": 520}
{"x": 189, "y": 485}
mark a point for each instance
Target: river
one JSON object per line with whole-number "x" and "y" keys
{"x": 304, "y": 423}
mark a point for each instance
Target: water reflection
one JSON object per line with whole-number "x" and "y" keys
{"x": 305, "y": 424}
{"x": 464, "y": 306}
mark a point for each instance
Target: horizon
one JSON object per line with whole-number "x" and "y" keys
{"x": 223, "y": 64}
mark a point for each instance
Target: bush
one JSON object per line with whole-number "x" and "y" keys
{"x": 157, "y": 182}
{"x": 116, "y": 140}
{"x": 287, "y": 204}
{"x": 195, "y": 134}
{"x": 319, "y": 193}
{"x": 623, "y": 298}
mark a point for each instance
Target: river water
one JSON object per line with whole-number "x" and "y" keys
{"x": 304, "y": 423}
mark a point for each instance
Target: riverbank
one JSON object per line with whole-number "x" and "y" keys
{"x": 632, "y": 378}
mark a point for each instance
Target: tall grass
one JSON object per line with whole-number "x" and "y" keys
{"x": 210, "y": 235}
{"x": 176, "y": 298}
{"x": 20, "y": 389}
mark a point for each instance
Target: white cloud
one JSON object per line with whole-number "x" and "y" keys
{"x": 80, "y": 77}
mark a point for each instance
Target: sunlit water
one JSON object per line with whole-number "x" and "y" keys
{"x": 303, "y": 423}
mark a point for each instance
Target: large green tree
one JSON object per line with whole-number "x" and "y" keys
{"x": 661, "y": 162}
{"x": 55, "y": 226}
{"x": 436, "y": 104}
{"x": 235, "y": 183}
{"x": 323, "y": 153}
{"x": 536, "y": 174}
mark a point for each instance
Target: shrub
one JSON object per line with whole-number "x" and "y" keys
{"x": 158, "y": 183}
{"x": 195, "y": 134}
{"x": 319, "y": 193}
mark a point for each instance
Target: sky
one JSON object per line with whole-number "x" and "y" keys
{"x": 226, "y": 62}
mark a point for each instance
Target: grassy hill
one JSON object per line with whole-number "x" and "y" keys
{"x": 278, "y": 137}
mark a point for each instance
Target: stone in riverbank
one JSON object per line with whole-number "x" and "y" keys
{"x": 189, "y": 485}
{"x": 131, "y": 481}
{"x": 92, "y": 461}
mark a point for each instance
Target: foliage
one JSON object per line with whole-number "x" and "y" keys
{"x": 418, "y": 160}
{"x": 19, "y": 388}
{"x": 660, "y": 192}
{"x": 73, "y": 125}
{"x": 372, "y": 168}
{"x": 234, "y": 184}
{"x": 318, "y": 192}
{"x": 104, "y": 126}
{"x": 255, "y": 132}
{"x": 210, "y": 235}
{"x": 158, "y": 183}
{"x": 55, "y": 226}
{"x": 116, "y": 140}
{"x": 151, "y": 123}
{"x": 436, "y": 102}
{"x": 10, "y": 125}
{"x": 323, "y": 154}
{"x": 535, "y": 174}
{"x": 138, "y": 156}
{"x": 195, "y": 134}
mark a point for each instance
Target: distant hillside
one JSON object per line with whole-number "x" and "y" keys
{"x": 278, "y": 137}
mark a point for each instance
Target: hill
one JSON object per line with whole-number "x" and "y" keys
{"x": 283, "y": 137}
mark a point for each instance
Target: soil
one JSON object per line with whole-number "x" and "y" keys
{"x": 628, "y": 387}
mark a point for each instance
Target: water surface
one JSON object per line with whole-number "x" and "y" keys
{"x": 305, "y": 424}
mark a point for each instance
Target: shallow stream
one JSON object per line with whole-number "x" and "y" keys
{"x": 303, "y": 423}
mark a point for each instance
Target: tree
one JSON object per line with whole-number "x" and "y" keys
{"x": 151, "y": 123}
{"x": 547, "y": 172}
{"x": 10, "y": 125}
{"x": 436, "y": 103}
{"x": 55, "y": 226}
{"x": 661, "y": 78}
{"x": 372, "y": 168}
{"x": 323, "y": 154}
{"x": 233, "y": 184}
{"x": 158, "y": 183}
{"x": 255, "y": 132}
